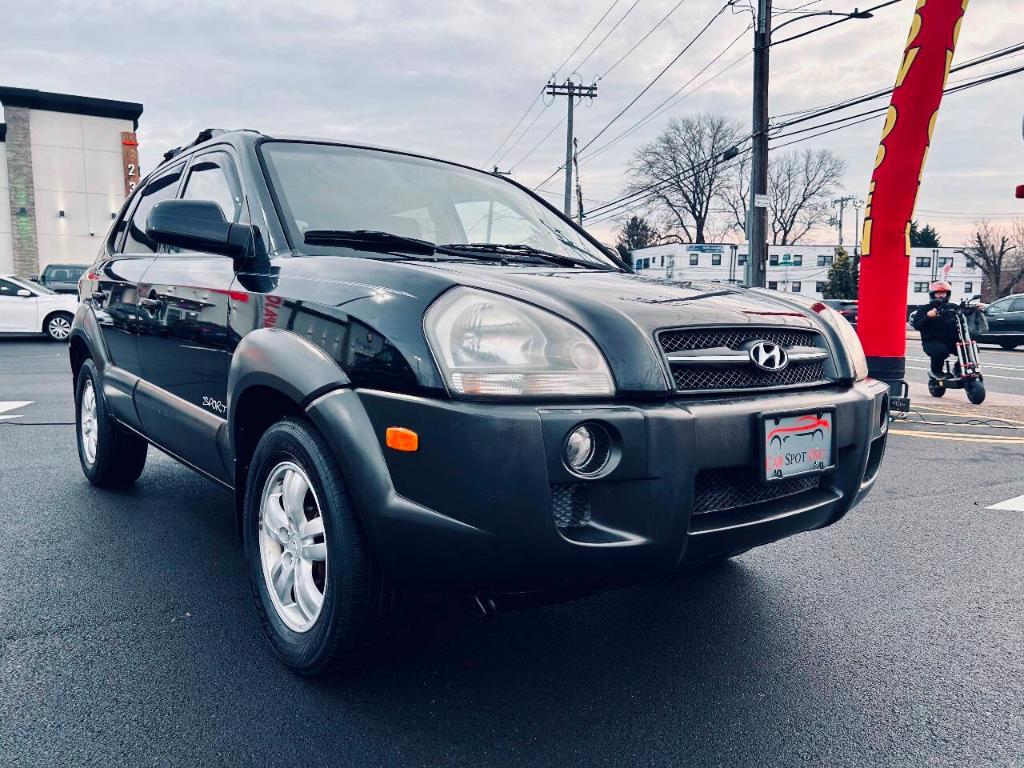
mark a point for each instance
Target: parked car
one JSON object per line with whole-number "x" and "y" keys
{"x": 427, "y": 378}
{"x": 1005, "y": 322}
{"x": 845, "y": 307}
{"x": 27, "y": 307}
{"x": 61, "y": 278}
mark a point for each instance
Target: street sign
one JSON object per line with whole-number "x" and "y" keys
{"x": 760, "y": 201}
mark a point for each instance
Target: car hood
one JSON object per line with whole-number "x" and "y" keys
{"x": 622, "y": 312}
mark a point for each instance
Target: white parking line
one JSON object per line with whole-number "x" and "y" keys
{"x": 987, "y": 375}
{"x": 983, "y": 364}
{"x": 1014, "y": 505}
{"x": 11, "y": 405}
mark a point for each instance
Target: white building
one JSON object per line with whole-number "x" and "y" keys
{"x": 801, "y": 269}
{"x": 66, "y": 165}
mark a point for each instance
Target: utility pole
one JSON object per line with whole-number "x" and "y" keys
{"x": 579, "y": 186}
{"x": 857, "y": 205}
{"x": 756, "y": 231}
{"x": 841, "y": 204}
{"x": 572, "y": 91}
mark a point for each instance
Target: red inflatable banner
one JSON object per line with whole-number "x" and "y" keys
{"x": 899, "y": 164}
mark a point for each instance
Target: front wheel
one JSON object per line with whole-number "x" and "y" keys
{"x": 936, "y": 388}
{"x": 1008, "y": 346}
{"x": 58, "y": 326}
{"x": 320, "y": 596}
{"x": 975, "y": 391}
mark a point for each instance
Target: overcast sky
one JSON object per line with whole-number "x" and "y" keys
{"x": 451, "y": 79}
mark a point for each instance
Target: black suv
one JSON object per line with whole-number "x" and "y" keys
{"x": 415, "y": 375}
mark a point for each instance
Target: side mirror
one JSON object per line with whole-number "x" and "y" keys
{"x": 34, "y": 278}
{"x": 976, "y": 297}
{"x": 197, "y": 225}
{"x": 24, "y": 293}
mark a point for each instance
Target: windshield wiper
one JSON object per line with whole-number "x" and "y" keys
{"x": 369, "y": 240}
{"x": 522, "y": 249}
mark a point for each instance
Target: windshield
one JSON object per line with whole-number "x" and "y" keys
{"x": 34, "y": 286}
{"x": 327, "y": 187}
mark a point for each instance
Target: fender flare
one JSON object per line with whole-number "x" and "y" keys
{"x": 282, "y": 360}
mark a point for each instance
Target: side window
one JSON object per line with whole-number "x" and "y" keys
{"x": 213, "y": 177}
{"x": 999, "y": 307}
{"x": 8, "y": 289}
{"x": 1017, "y": 305}
{"x": 162, "y": 188}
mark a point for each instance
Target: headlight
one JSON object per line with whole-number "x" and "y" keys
{"x": 486, "y": 344}
{"x": 851, "y": 342}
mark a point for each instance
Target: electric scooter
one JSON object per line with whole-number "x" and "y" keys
{"x": 965, "y": 373}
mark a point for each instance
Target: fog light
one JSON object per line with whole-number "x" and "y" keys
{"x": 586, "y": 449}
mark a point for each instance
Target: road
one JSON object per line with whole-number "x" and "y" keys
{"x": 895, "y": 637}
{"x": 1003, "y": 371}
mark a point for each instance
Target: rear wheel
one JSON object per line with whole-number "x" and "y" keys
{"x": 1008, "y": 346}
{"x": 320, "y": 596}
{"x": 975, "y": 391}
{"x": 58, "y": 326}
{"x": 936, "y": 388}
{"x": 110, "y": 455}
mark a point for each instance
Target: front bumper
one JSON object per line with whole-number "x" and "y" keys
{"x": 475, "y": 506}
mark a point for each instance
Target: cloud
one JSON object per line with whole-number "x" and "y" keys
{"x": 451, "y": 79}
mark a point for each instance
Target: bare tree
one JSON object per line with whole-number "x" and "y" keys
{"x": 800, "y": 188}
{"x": 999, "y": 253}
{"x": 682, "y": 172}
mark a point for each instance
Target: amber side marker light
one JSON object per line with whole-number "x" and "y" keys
{"x": 401, "y": 439}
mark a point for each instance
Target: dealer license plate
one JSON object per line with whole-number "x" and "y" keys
{"x": 797, "y": 444}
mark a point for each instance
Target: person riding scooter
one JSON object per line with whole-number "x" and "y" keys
{"x": 938, "y": 329}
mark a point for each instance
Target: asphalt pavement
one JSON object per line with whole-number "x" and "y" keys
{"x": 896, "y": 637}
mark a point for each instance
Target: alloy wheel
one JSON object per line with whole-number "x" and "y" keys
{"x": 293, "y": 546}
{"x": 87, "y": 425}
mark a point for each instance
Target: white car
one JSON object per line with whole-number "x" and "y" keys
{"x": 27, "y": 307}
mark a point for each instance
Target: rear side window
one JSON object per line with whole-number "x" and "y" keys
{"x": 161, "y": 188}
{"x": 212, "y": 177}
{"x": 1017, "y": 305}
{"x": 9, "y": 289}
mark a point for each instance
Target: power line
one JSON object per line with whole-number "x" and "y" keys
{"x": 645, "y": 88}
{"x": 833, "y": 23}
{"x": 664, "y": 106}
{"x": 537, "y": 146}
{"x": 607, "y": 35}
{"x": 639, "y": 42}
{"x": 553, "y": 76}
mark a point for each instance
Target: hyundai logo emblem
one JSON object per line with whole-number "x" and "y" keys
{"x": 768, "y": 356}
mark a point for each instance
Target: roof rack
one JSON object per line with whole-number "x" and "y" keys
{"x": 204, "y": 135}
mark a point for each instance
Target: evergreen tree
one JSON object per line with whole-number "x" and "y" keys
{"x": 635, "y": 233}
{"x": 843, "y": 277}
{"x": 925, "y": 237}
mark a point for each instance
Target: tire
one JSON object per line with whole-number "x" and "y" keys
{"x": 935, "y": 389}
{"x": 111, "y": 456}
{"x": 975, "y": 391}
{"x": 345, "y": 603}
{"x": 1008, "y": 346}
{"x": 57, "y": 326}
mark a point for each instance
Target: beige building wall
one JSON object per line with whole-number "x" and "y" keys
{"x": 77, "y": 168}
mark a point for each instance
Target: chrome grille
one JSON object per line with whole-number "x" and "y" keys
{"x": 718, "y": 490}
{"x": 696, "y": 377}
{"x": 732, "y": 338}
